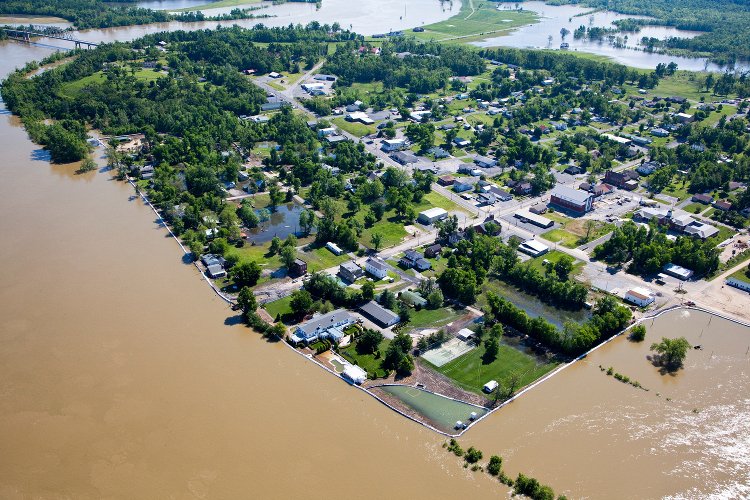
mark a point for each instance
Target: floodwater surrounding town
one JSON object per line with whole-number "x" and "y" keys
{"x": 122, "y": 375}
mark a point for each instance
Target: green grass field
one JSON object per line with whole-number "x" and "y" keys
{"x": 470, "y": 372}
{"x": 322, "y": 258}
{"x": 477, "y": 20}
{"x": 553, "y": 256}
{"x": 573, "y": 232}
{"x": 218, "y": 5}
{"x": 432, "y": 317}
{"x": 354, "y": 128}
{"x": 368, "y": 362}
{"x": 279, "y": 307}
{"x": 74, "y": 88}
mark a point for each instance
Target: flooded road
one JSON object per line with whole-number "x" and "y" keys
{"x": 122, "y": 375}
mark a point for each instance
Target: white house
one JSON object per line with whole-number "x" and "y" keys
{"x": 328, "y": 326}
{"x": 376, "y": 268}
{"x": 639, "y": 296}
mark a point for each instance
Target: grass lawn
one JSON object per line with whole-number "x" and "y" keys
{"x": 682, "y": 83}
{"x": 322, "y": 258}
{"x": 425, "y": 318}
{"x": 368, "y": 362}
{"x": 279, "y": 307}
{"x": 217, "y": 5}
{"x": 354, "y": 128}
{"x": 741, "y": 274}
{"x": 695, "y": 208}
{"x": 553, "y": 256}
{"x": 573, "y": 232}
{"x": 678, "y": 190}
{"x": 714, "y": 117}
{"x": 470, "y": 372}
{"x": 435, "y": 199}
{"x": 477, "y": 20}
{"x": 258, "y": 253}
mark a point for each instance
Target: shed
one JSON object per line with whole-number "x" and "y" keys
{"x": 465, "y": 334}
{"x": 490, "y": 386}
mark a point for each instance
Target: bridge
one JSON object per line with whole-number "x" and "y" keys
{"x": 26, "y": 36}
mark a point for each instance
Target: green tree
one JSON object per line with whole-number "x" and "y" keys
{"x": 301, "y": 302}
{"x": 246, "y": 273}
{"x": 368, "y": 342}
{"x": 87, "y": 165}
{"x": 495, "y": 465}
{"x": 671, "y": 352}
{"x": 65, "y": 146}
{"x": 377, "y": 240}
{"x": 368, "y": 290}
{"x": 288, "y": 256}
{"x": 275, "y": 245}
{"x": 473, "y": 455}
{"x": 276, "y": 197}
{"x": 435, "y": 299}
{"x": 563, "y": 267}
{"x": 388, "y": 299}
{"x": 638, "y": 333}
{"x": 246, "y": 300}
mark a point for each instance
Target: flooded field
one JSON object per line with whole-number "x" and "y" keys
{"x": 279, "y": 223}
{"x": 555, "y": 17}
{"x": 588, "y": 435}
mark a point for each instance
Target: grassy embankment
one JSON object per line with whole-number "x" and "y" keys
{"x": 218, "y": 5}
{"x": 476, "y": 21}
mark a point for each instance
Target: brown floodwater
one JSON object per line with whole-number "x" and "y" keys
{"x": 123, "y": 376}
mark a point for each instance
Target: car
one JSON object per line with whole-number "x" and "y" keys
{"x": 659, "y": 281}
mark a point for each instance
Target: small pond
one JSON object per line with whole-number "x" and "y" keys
{"x": 534, "y": 307}
{"x": 440, "y": 412}
{"x": 282, "y": 222}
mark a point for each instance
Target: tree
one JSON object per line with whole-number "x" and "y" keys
{"x": 275, "y": 245}
{"x": 87, "y": 165}
{"x": 388, "y": 299}
{"x": 276, "y": 197}
{"x": 246, "y": 300}
{"x": 564, "y": 32}
{"x": 671, "y": 352}
{"x": 368, "y": 342}
{"x": 435, "y": 299}
{"x": 246, "y": 273}
{"x": 376, "y": 240}
{"x": 278, "y": 330}
{"x": 397, "y": 355}
{"x": 404, "y": 313}
{"x": 306, "y": 221}
{"x": 301, "y": 302}
{"x": 473, "y": 455}
{"x": 368, "y": 290}
{"x": 288, "y": 256}
{"x": 638, "y": 333}
{"x": 64, "y": 145}
{"x": 491, "y": 349}
{"x": 495, "y": 465}
{"x": 563, "y": 267}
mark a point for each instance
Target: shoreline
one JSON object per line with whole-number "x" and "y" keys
{"x": 401, "y": 408}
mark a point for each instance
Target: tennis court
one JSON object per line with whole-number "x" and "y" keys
{"x": 447, "y": 352}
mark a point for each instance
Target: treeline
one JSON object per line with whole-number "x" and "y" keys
{"x": 608, "y": 318}
{"x": 418, "y": 67}
{"x": 85, "y": 14}
{"x": 479, "y": 255}
{"x": 648, "y": 250}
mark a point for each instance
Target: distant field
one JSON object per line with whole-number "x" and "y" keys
{"x": 218, "y": 5}
{"x": 477, "y": 20}
{"x": 74, "y": 88}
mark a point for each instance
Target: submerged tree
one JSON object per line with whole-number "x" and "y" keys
{"x": 671, "y": 352}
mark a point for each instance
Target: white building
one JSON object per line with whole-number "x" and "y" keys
{"x": 464, "y": 334}
{"x": 490, "y": 386}
{"x": 639, "y": 296}
{"x": 678, "y": 272}
{"x": 359, "y": 116}
{"x": 376, "y": 268}
{"x": 334, "y": 248}
{"x": 431, "y": 215}
{"x": 533, "y": 248}
{"x": 354, "y": 374}
{"x": 393, "y": 144}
